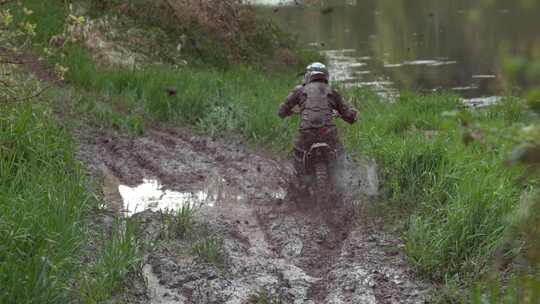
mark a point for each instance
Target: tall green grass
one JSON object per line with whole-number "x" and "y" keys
{"x": 241, "y": 99}
{"x": 460, "y": 194}
{"x": 117, "y": 259}
{"x": 44, "y": 203}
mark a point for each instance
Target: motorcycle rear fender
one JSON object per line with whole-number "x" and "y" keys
{"x": 319, "y": 145}
{"x": 327, "y": 154}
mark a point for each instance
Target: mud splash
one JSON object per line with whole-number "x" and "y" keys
{"x": 270, "y": 247}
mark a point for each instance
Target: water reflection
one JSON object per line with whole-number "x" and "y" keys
{"x": 150, "y": 195}
{"x": 415, "y": 44}
{"x": 481, "y": 102}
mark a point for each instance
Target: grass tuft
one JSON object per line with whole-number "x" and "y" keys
{"x": 42, "y": 204}
{"x": 264, "y": 297}
{"x": 178, "y": 223}
{"x": 118, "y": 258}
{"x": 210, "y": 250}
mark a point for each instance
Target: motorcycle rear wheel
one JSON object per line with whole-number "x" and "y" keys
{"x": 322, "y": 193}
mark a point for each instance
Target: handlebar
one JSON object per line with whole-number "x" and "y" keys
{"x": 296, "y": 110}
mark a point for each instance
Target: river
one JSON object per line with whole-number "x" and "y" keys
{"x": 461, "y": 46}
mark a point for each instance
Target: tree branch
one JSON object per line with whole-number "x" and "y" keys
{"x": 4, "y": 83}
{"x": 10, "y": 62}
{"x": 37, "y": 94}
{"x": 4, "y": 2}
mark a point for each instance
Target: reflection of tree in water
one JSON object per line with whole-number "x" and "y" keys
{"x": 479, "y": 35}
{"x": 391, "y": 43}
{"x": 474, "y": 33}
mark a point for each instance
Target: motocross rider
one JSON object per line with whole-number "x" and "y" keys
{"x": 316, "y": 102}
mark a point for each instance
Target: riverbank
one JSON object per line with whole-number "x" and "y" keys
{"x": 444, "y": 181}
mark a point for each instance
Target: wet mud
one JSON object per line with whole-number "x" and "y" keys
{"x": 272, "y": 250}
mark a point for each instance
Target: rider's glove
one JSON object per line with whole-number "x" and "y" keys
{"x": 351, "y": 116}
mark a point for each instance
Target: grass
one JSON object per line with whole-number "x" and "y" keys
{"x": 264, "y": 297}
{"x": 44, "y": 205}
{"x": 241, "y": 99}
{"x": 460, "y": 193}
{"x": 184, "y": 221}
{"x": 178, "y": 223}
{"x": 210, "y": 249}
{"x": 119, "y": 257}
{"x": 521, "y": 289}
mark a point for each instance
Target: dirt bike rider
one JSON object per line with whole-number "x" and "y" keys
{"x": 316, "y": 102}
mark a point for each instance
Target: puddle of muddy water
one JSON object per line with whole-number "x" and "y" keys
{"x": 150, "y": 195}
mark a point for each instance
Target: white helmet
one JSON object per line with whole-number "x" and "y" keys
{"x": 316, "y": 70}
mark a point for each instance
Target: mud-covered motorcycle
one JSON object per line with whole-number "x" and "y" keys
{"x": 319, "y": 165}
{"x": 319, "y": 161}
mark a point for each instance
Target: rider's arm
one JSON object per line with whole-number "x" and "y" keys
{"x": 346, "y": 112}
{"x": 286, "y": 108}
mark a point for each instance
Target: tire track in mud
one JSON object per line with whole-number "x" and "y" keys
{"x": 272, "y": 247}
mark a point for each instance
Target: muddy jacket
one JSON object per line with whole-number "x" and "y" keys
{"x": 316, "y": 101}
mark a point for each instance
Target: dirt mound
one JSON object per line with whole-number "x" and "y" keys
{"x": 270, "y": 249}
{"x": 217, "y": 32}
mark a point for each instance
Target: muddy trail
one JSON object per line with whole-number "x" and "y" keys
{"x": 268, "y": 249}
